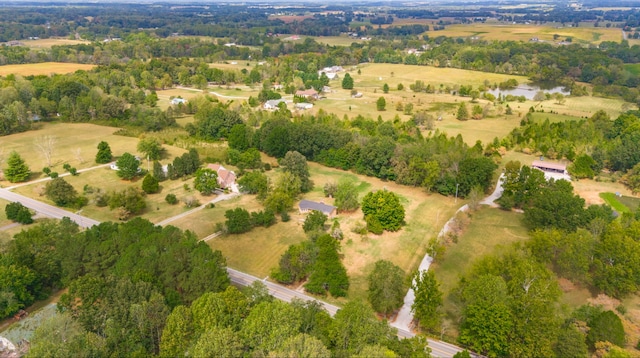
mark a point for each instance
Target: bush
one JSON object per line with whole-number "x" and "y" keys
{"x": 53, "y": 175}
{"x": 150, "y": 184}
{"x": 46, "y": 170}
{"x": 284, "y": 216}
{"x": 171, "y": 199}
{"x": 19, "y": 213}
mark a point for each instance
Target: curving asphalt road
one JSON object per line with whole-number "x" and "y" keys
{"x": 438, "y": 348}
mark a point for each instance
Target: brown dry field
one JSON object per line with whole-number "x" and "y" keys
{"x": 290, "y": 18}
{"x": 47, "y": 43}
{"x": 45, "y": 68}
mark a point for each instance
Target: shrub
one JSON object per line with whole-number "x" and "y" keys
{"x": 171, "y": 199}
{"x": 19, "y": 213}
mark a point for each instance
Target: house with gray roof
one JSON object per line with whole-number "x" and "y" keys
{"x": 306, "y": 206}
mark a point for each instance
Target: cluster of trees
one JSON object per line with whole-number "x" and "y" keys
{"x": 387, "y": 150}
{"x": 547, "y": 204}
{"x": 19, "y": 213}
{"x": 109, "y": 257}
{"x": 318, "y": 261}
{"x": 593, "y": 144}
{"x": 239, "y": 220}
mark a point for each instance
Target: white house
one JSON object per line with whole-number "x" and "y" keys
{"x": 273, "y": 103}
{"x": 303, "y": 105}
{"x": 176, "y": 101}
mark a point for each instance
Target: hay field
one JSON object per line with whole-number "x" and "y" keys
{"x": 69, "y": 138}
{"x": 47, "y": 43}
{"x": 522, "y": 32}
{"x": 45, "y": 68}
{"x": 335, "y": 40}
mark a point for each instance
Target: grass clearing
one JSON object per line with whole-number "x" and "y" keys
{"x": 523, "y": 32}
{"x": 612, "y": 200}
{"x": 47, "y": 43}
{"x": 45, "y": 68}
{"x": 71, "y": 138}
{"x": 490, "y": 231}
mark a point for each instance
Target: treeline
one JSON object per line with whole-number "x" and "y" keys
{"x": 54, "y": 255}
{"x": 593, "y": 144}
{"x": 387, "y": 150}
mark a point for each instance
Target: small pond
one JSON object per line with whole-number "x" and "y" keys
{"x": 529, "y": 90}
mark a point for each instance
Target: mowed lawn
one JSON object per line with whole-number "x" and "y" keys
{"x": 75, "y": 143}
{"x": 45, "y": 68}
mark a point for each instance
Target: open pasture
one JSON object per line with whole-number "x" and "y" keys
{"x": 523, "y": 32}
{"x": 45, "y": 68}
{"x": 47, "y": 43}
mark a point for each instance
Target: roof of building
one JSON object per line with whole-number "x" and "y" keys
{"x": 545, "y": 164}
{"x": 312, "y": 205}
{"x": 226, "y": 177}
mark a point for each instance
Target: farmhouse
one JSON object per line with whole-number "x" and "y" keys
{"x": 551, "y": 170}
{"x": 176, "y": 101}
{"x": 273, "y": 103}
{"x": 226, "y": 178}
{"x": 306, "y": 206}
{"x": 304, "y": 105}
{"x": 310, "y": 93}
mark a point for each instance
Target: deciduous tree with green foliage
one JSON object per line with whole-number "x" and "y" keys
{"x": 314, "y": 221}
{"x": 238, "y": 221}
{"x": 386, "y": 287}
{"x": 296, "y": 164}
{"x": 104, "y": 154}
{"x": 128, "y": 166}
{"x": 16, "y": 170}
{"x": 206, "y": 181}
{"x": 19, "y": 213}
{"x": 61, "y": 192}
{"x": 385, "y": 207}
{"x": 150, "y": 184}
{"x": 346, "y": 196}
{"x": 255, "y": 182}
{"x": 151, "y": 148}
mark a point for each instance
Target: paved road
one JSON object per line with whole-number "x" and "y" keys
{"x": 47, "y": 210}
{"x": 438, "y": 349}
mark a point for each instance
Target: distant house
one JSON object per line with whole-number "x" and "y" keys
{"x": 226, "y": 178}
{"x": 326, "y": 89}
{"x": 303, "y": 105}
{"x": 176, "y": 101}
{"x": 551, "y": 170}
{"x": 310, "y": 93}
{"x": 277, "y": 87}
{"x": 357, "y": 95}
{"x": 273, "y": 103}
{"x": 306, "y": 206}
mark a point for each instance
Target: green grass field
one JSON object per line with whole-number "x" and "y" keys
{"x": 622, "y": 204}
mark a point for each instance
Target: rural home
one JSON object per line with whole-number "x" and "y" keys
{"x": 307, "y": 206}
{"x": 273, "y": 103}
{"x": 552, "y": 170}
{"x": 303, "y": 105}
{"x": 310, "y": 93}
{"x": 226, "y": 178}
{"x": 176, "y": 101}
